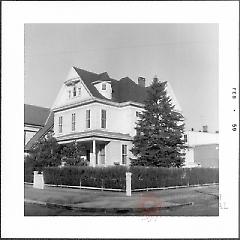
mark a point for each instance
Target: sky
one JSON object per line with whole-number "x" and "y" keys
{"x": 186, "y": 55}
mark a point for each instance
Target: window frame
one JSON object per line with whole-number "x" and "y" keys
{"x": 74, "y": 91}
{"x": 60, "y": 124}
{"x": 88, "y": 118}
{"x": 103, "y": 119}
{"x": 73, "y": 122}
{"x": 124, "y": 154}
{"x": 185, "y": 137}
{"x": 79, "y": 91}
{"x": 104, "y": 86}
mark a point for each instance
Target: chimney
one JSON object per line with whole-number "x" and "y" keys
{"x": 155, "y": 78}
{"x": 205, "y": 128}
{"x": 141, "y": 81}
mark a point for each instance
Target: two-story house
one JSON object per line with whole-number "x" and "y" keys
{"x": 101, "y": 113}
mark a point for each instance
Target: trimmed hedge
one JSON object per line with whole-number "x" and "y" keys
{"x": 28, "y": 169}
{"x": 110, "y": 177}
{"x": 152, "y": 177}
{"x": 142, "y": 177}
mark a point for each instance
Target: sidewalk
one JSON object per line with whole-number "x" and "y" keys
{"x": 98, "y": 201}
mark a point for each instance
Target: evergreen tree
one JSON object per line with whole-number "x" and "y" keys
{"x": 160, "y": 128}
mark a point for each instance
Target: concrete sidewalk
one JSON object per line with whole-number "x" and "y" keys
{"x": 98, "y": 201}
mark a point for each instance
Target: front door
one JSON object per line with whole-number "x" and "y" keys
{"x": 88, "y": 155}
{"x": 102, "y": 154}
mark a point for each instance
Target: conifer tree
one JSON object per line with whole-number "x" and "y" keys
{"x": 160, "y": 128}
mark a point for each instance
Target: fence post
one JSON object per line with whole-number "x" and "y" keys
{"x": 102, "y": 184}
{"x": 38, "y": 181}
{"x": 128, "y": 184}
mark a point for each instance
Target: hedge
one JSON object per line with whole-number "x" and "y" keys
{"x": 110, "y": 177}
{"x": 28, "y": 169}
{"x": 142, "y": 177}
{"x": 152, "y": 177}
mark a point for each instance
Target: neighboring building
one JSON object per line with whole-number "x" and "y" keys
{"x": 35, "y": 121}
{"x": 203, "y": 149}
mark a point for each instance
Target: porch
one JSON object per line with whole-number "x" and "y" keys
{"x": 101, "y": 148}
{"x": 95, "y": 151}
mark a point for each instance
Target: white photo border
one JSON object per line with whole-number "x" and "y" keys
{"x": 14, "y": 15}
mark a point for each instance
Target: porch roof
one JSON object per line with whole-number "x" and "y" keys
{"x": 100, "y": 134}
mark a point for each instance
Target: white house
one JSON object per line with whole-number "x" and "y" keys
{"x": 101, "y": 113}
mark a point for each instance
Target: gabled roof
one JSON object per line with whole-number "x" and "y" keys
{"x": 42, "y": 132}
{"x": 124, "y": 90}
{"x": 34, "y": 115}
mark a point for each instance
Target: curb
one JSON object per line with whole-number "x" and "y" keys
{"x": 103, "y": 210}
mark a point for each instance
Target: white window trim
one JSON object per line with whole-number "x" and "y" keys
{"x": 101, "y": 119}
{"x": 60, "y": 124}
{"x": 124, "y": 154}
{"x": 74, "y": 114}
{"x": 88, "y": 119}
{"x": 104, "y": 84}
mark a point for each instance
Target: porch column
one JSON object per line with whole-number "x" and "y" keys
{"x": 93, "y": 155}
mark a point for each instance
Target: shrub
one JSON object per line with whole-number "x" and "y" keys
{"x": 152, "y": 177}
{"x": 28, "y": 169}
{"x": 110, "y": 177}
{"x": 142, "y": 177}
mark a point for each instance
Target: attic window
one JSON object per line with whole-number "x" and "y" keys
{"x": 79, "y": 91}
{"x": 74, "y": 91}
{"x": 69, "y": 94}
{"x": 104, "y": 86}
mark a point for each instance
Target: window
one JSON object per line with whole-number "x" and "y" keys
{"x": 185, "y": 138}
{"x": 79, "y": 91}
{"x": 73, "y": 121}
{"x": 24, "y": 138}
{"x": 104, "y": 87}
{"x": 69, "y": 94}
{"x": 137, "y": 114}
{"x": 60, "y": 121}
{"x": 124, "y": 154}
{"x": 88, "y": 119}
{"x": 74, "y": 91}
{"x": 103, "y": 119}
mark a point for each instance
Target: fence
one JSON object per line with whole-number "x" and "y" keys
{"x": 142, "y": 178}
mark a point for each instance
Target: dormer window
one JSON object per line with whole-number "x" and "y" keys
{"x": 74, "y": 91}
{"x": 104, "y": 86}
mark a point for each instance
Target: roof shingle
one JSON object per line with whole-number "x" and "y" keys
{"x": 34, "y": 115}
{"x": 124, "y": 90}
